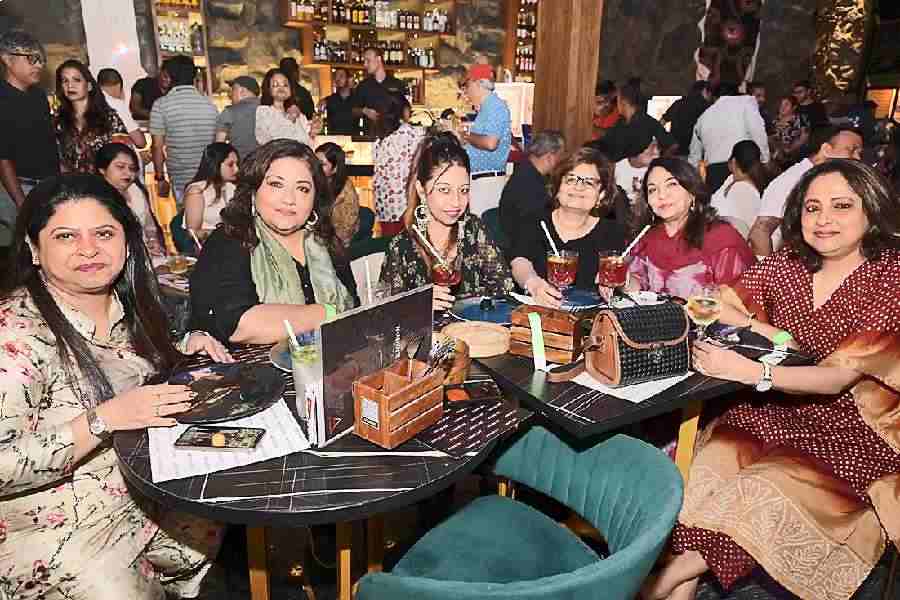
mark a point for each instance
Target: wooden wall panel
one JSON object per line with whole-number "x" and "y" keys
{"x": 568, "y": 57}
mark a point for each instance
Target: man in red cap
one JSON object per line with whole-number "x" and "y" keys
{"x": 488, "y": 139}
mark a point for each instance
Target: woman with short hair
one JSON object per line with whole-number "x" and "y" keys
{"x": 584, "y": 188}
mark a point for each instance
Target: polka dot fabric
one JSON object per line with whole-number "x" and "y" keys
{"x": 829, "y": 429}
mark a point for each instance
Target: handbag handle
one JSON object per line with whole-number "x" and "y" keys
{"x": 566, "y": 372}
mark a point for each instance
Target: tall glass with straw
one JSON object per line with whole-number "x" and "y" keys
{"x": 562, "y": 265}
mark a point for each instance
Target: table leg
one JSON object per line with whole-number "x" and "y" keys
{"x": 257, "y": 555}
{"x": 687, "y": 433}
{"x": 375, "y": 543}
{"x": 344, "y": 570}
{"x": 506, "y": 488}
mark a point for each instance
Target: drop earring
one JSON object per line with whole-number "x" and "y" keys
{"x": 310, "y": 223}
{"x": 421, "y": 216}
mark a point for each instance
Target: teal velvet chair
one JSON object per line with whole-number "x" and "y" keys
{"x": 497, "y": 548}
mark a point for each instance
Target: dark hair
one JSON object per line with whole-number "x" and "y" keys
{"x": 727, "y": 88}
{"x": 237, "y": 216}
{"x": 701, "y": 215}
{"x": 605, "y": 87}
{"x": 109, "y": 76}
{"x": 437, "y": 153}
{"x": 336, "y": 156}
{"x": 748, "y": 157}
{"x": 107, "y": 154}
{"x": 390, "y": 115}
{"x": 344, "y": 69}
{"x": 754, "y": 85}
{"x": 804, "y": 83}
{"x": 180, "y": 69}
{"x": 135, "y": 286}
{"x": 698, "y": 87}
{"x": 210, "y": 169}
{"x": 96, "y": 114}
{"x": 879, "y": 203}
{"x": 587, "y": 155}
{"x": 375, "y": 50}
{"x": 265, "y": 98}
{"x": 825, "y": 135}
{"x": 631, "y": 93}
{"x": 792, "y": 100}
{"x": 288, "y": 65}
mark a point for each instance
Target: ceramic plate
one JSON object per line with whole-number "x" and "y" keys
{"x": 280, "y": 356}
{"x": 469, "y": 309}
{"x": 229, "y": 391}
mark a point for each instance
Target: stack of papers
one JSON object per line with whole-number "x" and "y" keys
{"x": 283, "y": 436}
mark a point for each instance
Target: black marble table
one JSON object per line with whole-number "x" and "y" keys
{"x": 349, "y": 480}
{"x": 585, "y": 413}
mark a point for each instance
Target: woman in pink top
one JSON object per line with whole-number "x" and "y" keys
{"x": 688, "y": 245}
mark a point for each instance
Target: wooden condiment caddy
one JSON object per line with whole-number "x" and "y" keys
{"x": 394, "y": 404}
{"x": 563, "y": 333}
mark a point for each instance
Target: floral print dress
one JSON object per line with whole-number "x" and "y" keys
{"x": 393, "y": 161}
{"x": 71, "y": 530}
{"x": 78, "y": 149}
{"x": 484, "y": 271}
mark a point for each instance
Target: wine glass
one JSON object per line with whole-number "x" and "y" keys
{"x": 562, "y": 269}
{"x": 704, "y": 307}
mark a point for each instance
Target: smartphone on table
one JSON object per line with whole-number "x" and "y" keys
{"x": 210, "y": 437}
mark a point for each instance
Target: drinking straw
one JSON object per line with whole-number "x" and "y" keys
{"x": 368, "y": 278}
{"x": 196, "y": 240}
{"x": 292, "y": 339}
{"x": 550, "y": 238}
{"x": 432, "y": 249}
{"x": 635, "y": 241}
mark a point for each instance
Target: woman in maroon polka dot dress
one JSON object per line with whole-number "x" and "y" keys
{"x": 804, "y": 481}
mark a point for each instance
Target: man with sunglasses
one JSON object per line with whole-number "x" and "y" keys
{"x": 28, "y": 150}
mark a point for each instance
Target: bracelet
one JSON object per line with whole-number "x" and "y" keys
{"x": 188, "y": 335}
{"x": 750, "y": 318}
{"x": 330, "y": 312}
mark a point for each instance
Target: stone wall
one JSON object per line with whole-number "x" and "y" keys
{"x": 656, "y": 40}
{"x": 57, "y": 24}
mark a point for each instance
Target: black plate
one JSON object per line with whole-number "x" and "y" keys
{"x": 231, "y": 391}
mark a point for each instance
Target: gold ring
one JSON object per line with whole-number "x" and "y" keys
{"x": 157, "y": 410}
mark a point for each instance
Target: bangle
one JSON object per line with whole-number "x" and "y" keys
{"x": 330, "y": 312}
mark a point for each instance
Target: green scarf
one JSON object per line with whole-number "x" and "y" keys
{"x": 277, "y": 281}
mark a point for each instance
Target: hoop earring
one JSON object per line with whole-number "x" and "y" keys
{"x": 312, "y": 223}
{"x": 421, "y": 215}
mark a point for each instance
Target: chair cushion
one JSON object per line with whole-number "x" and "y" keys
{"x": 495, "y": 540}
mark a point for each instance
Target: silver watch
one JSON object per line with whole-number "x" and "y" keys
{"x": 97, "y": 425}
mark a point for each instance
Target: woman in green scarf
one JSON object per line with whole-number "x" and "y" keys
{"x": 275, "y": 255}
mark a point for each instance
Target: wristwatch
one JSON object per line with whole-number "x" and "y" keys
{"x": 765, "y": 383}
{"x": 97, "y": 425}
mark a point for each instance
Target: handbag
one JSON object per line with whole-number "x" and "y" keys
{"x": 633, "y": 345}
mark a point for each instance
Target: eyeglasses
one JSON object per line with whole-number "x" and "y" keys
{"x": 579, "y": 181}
{"x": 279, "y": 85}
{"x": 33, "y": 59}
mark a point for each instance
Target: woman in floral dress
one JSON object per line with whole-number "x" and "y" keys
{"x": 85, "y": 122}
{"x": 805, "y": 481}
{"x": 439, "y": 209}
{"x": 81, "y": 330}
{"x": 393, "y": 156}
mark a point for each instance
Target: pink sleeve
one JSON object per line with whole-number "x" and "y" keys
{"x": 729, "y": 263}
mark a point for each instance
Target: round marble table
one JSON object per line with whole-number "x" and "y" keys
{"x": 348, "y": 480}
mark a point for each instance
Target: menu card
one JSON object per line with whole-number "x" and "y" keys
{"x": 283, "y": 436}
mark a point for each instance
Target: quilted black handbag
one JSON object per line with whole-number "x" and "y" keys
{"x": 635, "y": 344}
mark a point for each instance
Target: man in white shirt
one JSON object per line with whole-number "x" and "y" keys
{"x": 630, "y": 171}
{"x": 729, "y": 120}
{"x": 110, "y": 81}
{"x": 828, "y": 143}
